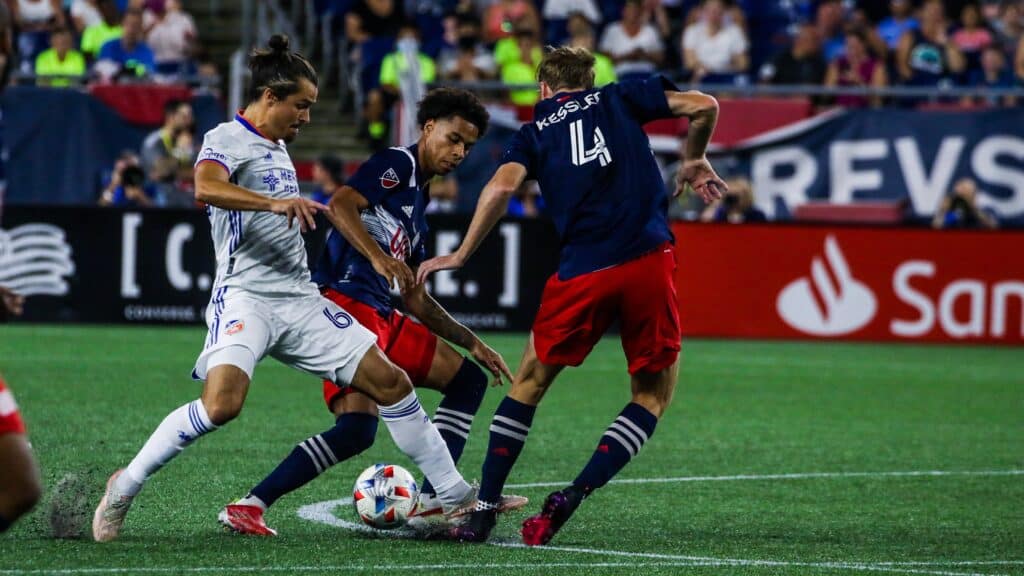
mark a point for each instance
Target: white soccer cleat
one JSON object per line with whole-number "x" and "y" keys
{"x": 109, "y": 516}
{"x": 429, "y": 515}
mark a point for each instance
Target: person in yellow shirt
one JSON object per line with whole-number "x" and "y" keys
{"x": 523, "y": 68}
{"x": 392, "y": 68}
{"x": 97, "y": 35}
{"x": 59, "y": 60}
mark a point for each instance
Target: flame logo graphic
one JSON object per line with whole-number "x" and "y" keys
{"x": 831, "y": 302}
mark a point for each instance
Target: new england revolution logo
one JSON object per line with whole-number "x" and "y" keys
{"x": 389, "y": 179}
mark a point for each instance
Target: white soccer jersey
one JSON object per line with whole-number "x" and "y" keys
{"x": 256, "y": 251}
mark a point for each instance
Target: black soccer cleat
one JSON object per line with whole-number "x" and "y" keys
{"x": 558, "y": 508}
{"x": 478, "y": 528}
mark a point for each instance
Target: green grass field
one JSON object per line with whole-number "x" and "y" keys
{"x": 776, "y": 458}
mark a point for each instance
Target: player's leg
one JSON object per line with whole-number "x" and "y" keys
{"x": 353, "y": 432}
{"x": 20, "y": 487}
{"x": 650, "y": 337}
{"x": 226, "y": 364}
{"x": 328, "y": 342}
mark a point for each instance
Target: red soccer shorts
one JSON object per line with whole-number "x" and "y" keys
{"x": 10, "y": 419}
{"x": 409, "y": 344}
{"x": 640, "y": 294}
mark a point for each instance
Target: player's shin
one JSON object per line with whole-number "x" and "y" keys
{"x": 621, "y": 442}
{"x": 509, "y": 429}
{"x": 353, "y": 433}
{"x": 177, "y": 431}
{"x": 454, "y": 416}
{"x": 417, "y": 437}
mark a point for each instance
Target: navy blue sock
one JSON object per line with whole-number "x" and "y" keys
{"x": 620, "y": 442}
{"x": 352, "y": 434}
{"x": 509, "y": 428}
{"x": 454, "y": 416}
{"x": 4, "y": 524}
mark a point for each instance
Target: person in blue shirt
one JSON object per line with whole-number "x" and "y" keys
{"x": 329, "y": 175}
{"x": 379, "y": 232}
{"x": 130, "y": 51}
{"x": 587, "y": 149}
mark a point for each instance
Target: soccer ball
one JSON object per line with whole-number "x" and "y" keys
{"x": 385, "y": 495}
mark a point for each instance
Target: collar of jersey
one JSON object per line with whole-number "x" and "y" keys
{"x": 248, "y": 126}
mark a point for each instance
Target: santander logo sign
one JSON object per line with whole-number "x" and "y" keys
{"x": 831, "y": 302}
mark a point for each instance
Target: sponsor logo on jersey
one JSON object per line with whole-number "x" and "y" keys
{"x": 234, "y": 327}
{"x": 829, "y": 303}
{"x": 389, "y": 179}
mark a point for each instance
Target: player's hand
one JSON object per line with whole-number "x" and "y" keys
{"x": 13, "y": 303}
{"x": 700, "y": 176}
{"x": 298, "y": 208}
{"x": 491, "y": 360}
{"x": 395, "y": 271}
{"x": 447, "y": 262}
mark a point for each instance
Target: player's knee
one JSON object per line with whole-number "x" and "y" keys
{"x": 393, "y": 386}
{"x": 222, "y": 410}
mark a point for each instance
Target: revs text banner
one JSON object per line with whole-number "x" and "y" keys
{"x": 851, "y": 283}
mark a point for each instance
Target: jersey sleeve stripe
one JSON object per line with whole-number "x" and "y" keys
{"x": 223, "y": 165}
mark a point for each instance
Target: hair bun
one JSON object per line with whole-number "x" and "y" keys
{"x": 278, "y": 43}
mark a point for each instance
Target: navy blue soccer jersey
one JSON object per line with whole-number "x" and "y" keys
{"x": 597, "y": 173}
{"x": 393, "y": 184}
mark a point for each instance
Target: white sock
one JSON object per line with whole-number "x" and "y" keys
{"x": 416, "y": 436}
{"x": 179, "y": 429}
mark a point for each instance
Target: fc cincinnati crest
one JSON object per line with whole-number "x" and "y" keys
{"x": 389, "y": 179}
{"x": 234, "y": 327}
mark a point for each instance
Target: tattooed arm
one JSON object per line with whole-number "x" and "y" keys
{"x": 427, "y": 310}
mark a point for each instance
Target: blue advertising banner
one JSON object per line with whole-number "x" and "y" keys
{"x": 879, "y": 155}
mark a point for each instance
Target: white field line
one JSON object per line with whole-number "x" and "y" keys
{"x": 790, "y": 476}
{"x": 323, "y": 512}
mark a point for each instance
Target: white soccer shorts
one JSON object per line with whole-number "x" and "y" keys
{"x": 309, "y": 333}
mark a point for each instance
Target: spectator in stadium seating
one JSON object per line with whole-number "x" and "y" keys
{"x": 33, "y": 19}
{"x": 132, "y": 191}
{"x": 960, "y": 209}
{"x": 736, "y": 206}
{"x": 633, "y": 44}
{"x": 995, "y": 73}
{"x": 372, "y": 26}
{"x": 107, "y": 29}
{"x": 328, "y": 176}
{"x": 393, "y": 68}
{"x": 468, "y": 60}
{"x": 1018, "y": 62}
{"x": 1008, "y": 26}
{"x": 172, "y": 37}
{"x": 829, "y": 22}
{"x": 715, "y": 49}
{"x": 857, "y": 67}
{"x": 972, "y": 38}
{"x": 130, "y": 52}
{"x": 581, "y": 34}
{"x": 556, "y": 17}
{"x": 169, "y": 153}
{"x": 85, "y": 13}
{"x": 504, "y": 17}
{"x": 527, "y": 202}
{"x": 523, "y": 69}
{"x": 926, "y": 56}
{"x": 802, "y": 63}
{"x": 60, "y": 60}
{"x": 901, "y": 21}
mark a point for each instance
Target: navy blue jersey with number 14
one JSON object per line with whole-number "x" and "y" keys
{"x": 597, "y": 173}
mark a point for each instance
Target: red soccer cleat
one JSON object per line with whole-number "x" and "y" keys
{"x": 245, "y": 519}
{"x": 558, "y": 508}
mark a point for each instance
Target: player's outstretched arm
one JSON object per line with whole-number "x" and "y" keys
{"x": 490, "y": 208}
{"x": 344, "y": 215}
{"x": 213, "y": 188}
{"x": 422, "y": 305}
{"x": 702, "y": 111}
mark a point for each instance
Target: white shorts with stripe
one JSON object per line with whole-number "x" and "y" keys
{"x": 309, "y": 333}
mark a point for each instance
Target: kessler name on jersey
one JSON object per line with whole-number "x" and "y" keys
{"x": 592, "y": 99}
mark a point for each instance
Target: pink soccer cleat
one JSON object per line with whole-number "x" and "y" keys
{"x": 245, "y": 519}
